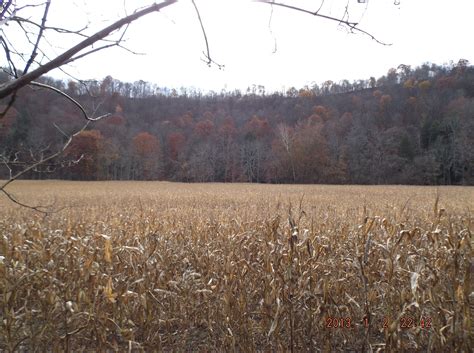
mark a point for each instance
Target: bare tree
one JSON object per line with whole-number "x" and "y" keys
{"x": 286, "y": 138}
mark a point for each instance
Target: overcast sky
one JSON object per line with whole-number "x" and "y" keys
{"x": 278, "y": 50}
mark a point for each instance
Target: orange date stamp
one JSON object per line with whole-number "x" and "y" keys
{"x": 405, "y": 322}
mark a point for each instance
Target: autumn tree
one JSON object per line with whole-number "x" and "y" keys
{"x": 146, "y": 149}
{"x": 204, "y": 128}
{"x": 86, "y": 148}
{"x": 176, "y": 142}
{"x": 310, "y": 153}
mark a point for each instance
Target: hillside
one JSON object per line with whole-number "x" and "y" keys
{"x": 411, "y": 126}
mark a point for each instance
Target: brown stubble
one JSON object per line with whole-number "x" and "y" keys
{"x": 220, "y": 267}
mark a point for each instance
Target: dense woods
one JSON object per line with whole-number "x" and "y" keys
{"x": 411, "y": 126}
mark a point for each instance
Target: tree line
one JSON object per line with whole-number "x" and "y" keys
{"x": 410, "y": 126}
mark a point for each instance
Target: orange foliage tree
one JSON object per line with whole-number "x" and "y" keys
{"x": 146, "y": 148}
{"x": 175, "y": 142}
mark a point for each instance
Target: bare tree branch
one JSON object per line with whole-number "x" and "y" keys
{"x": 346, "y": 13}
{"x": 6, "y": 49}
{"x": 65, "y": 95}
{"x": 271, "y": 32}
{"x": 35, "y": 165}
{"x": 11, "y": 101}
{"x": 38, "y": 38}
{"x": 5, "y": 7}
{"x": 56, "y": 29}
{"x": 49, "y": 166}
{"x": 12, "y": 86}
{"x": 50, "y": 157}
{"x": 207, "y": 54}
{"x": 7, "y": 165}
{"x": 320, "y": 6}
{"x": 29, "y": 6}
{"x": 43, "y": 161}
{"x": 351, "y": 25}
{"x": 115, "y": 43}
{"x": 38, "y": 208}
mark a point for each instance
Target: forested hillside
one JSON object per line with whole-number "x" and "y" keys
{"x": 411, "y": 126}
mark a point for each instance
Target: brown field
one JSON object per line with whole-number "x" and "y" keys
{"x": 145, "y": 266}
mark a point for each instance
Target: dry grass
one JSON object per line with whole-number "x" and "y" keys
{"x": 177, "y": 267}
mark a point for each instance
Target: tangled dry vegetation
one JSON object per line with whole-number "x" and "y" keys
{"x": 175, "y": 267}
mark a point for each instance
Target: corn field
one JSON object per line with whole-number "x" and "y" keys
{"x": 156, "y": 266}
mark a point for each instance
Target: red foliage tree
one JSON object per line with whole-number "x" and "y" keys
{"x": 87, "y": 144}
{"x": 204, "y": 128}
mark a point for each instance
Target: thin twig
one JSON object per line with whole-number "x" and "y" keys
{"x": 65, "y": 95}
{"x": 29, "y": 6}
{"x": 38, "y": 208}
{"x": 271, "y": 32}
{"x": 6, "y": 49}
{"x": 320, "y": 7}
{"x": 56, "y": 29}
{"x": 207, "y": 54}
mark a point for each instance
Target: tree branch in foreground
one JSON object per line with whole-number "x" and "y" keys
{"x": 42, "y": 161}
{"x": 42, "y": 209}
{"x": 12, "y": 86}
{"x": 34, "y": 52}
{"x": 65, "y": 95}
{"x": 207, "y": 54}
{"x": 351, "y": 25}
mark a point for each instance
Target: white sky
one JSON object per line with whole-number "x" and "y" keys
{"x": 309, "y": 49}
